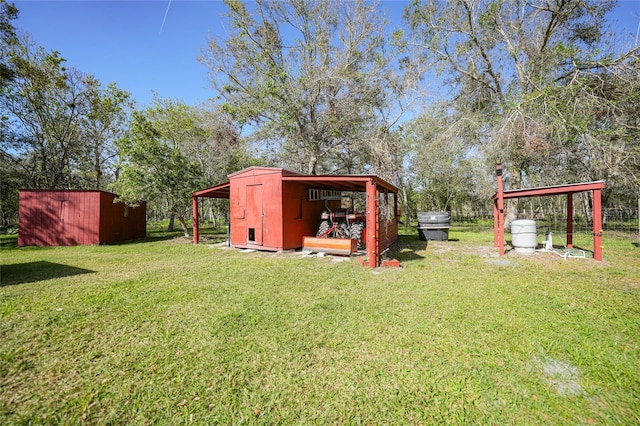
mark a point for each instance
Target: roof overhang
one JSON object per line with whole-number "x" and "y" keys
{"x": 342, "y": 182}
{"x": 356, "y": 183}
{"x": 218, "y": 191}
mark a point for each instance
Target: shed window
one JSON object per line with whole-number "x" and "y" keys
{"x": 329, "y": 193}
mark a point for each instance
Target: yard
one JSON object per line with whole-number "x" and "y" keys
{"x": 165, "y": 332}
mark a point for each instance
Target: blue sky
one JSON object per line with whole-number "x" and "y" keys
{"x": 142, "y": 47}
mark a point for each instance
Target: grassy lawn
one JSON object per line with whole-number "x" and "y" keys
{"x": 166, "y": 332}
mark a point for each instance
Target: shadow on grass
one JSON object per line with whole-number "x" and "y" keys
{"x": 574, "y": 252}
{"x": 406, "y": 256}
{"x": 156, "y": 236}
{"x": 147, "y": 239}
{"x": 22, "y": 273}
{"x": 9, "y": 241}
{"x": 406, "y": 248}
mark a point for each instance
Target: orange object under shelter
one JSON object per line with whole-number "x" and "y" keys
{"x": 595, "y": 187}
{"x": 274, "y": 209}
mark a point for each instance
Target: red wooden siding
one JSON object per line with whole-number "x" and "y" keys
{"x": 255, "y": 217}
{"x": 270, "y": 208}
{"x": 68, "y": 217}
{"x": 119, "y": 222}
{"x": 301, "y": 217}
{"x": 388, "y": 221}
{"x": 388, "y": 233}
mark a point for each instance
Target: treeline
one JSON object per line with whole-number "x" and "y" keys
{"x": 429, "y": 104}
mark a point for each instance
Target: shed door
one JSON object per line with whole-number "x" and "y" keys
{"x": 255, "y": 214}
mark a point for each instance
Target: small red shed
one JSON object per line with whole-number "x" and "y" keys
{"x": 274, "y": 209}
{"x": 77, "y": 217}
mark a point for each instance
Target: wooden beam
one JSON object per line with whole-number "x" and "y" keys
{"x": 553, "y": 190}
{"x": 196, "y": 224}
{"x": 500, "y": 201}
{"x": 340, "y": 246}
{"x": 372, "y": 217}
{"x": 496, "y": 239}
{"x": 597, "y": 224}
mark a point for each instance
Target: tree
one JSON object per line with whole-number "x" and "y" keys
{"x": 446, "y": 170}
{"x": 8, "y": 12}
{"x": 41, "y": 106}
{"x": 205, "y": 139}
{"x": 57, "y": 124}
{"x": 505, "y": 58}
{"x": 309, "y": 76}
{"x": 105, "y": 120}
{"x": 154, "y": 169}
{"x": 9, "y": 175}
{"x": 223, "y": 151}
{"x": 600, "y": 138}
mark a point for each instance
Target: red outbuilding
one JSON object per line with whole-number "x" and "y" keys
{"x": 275, "y": 209}
{"x": 596, "y": 189}
{"x": 77, "y": 217}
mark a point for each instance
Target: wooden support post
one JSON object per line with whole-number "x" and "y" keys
{"x": 495, "y": 224}
{"x": 395, "y": 207}
{"x": 500, "y": 208}
{"x": 570, "y": 220}
{"x": 196, "y": 224}
{"x": 372, "y": 227}
{"x": 597, "y": 224}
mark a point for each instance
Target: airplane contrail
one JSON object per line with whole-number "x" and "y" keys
{"x": 165, "y": 16}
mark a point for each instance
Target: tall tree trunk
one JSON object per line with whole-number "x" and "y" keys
{"x": 313, "y": 163}
{"x": 96, "y": 166}
{"x": 171, "y": 226}
{"x": 183, "y": 225}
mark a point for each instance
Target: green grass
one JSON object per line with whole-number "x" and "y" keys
{"x": 166, "y": 332}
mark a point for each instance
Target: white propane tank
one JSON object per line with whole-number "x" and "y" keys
{"x": 523, "y": 236}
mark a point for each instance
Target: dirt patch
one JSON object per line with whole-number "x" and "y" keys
{"x": 501, "y": 262}
{"x": 440, "y": 247}
{"x": 456, "y": 247}
{"x": 562, "y": 377}
{"x": 180, "y": 240}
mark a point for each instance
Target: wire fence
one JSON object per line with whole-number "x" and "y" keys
{"x": 623, "y": 221}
